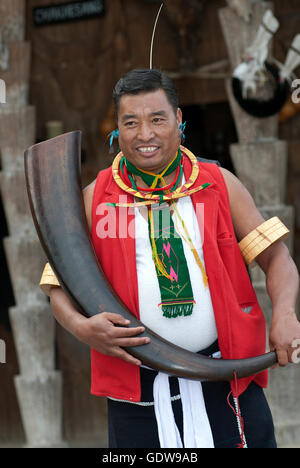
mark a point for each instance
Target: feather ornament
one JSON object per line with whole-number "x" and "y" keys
{"x": 250, "y": 72}
{"x": 259, "y": 47}
{"x": 292, "y": 60}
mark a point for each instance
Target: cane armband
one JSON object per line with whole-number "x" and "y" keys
{"x": 48, "y": 279}
{"x": 262, "y": 237}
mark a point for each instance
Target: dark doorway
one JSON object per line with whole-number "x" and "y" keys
{"x": 210, "y": 131}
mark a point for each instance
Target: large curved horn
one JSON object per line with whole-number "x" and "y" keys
{"x": 52, "y": 170}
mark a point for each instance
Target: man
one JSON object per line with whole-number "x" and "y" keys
{"x": 190, "y": 286}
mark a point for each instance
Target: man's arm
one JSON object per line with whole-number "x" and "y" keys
{"x": 282, "y": 278}
{"x": 100, "y": 331}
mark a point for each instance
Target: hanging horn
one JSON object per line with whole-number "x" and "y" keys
{"x": 52, "y": 170}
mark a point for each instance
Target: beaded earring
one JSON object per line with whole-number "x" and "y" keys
{"x": 182, "y": 128}
{"x": 112, "y": 136}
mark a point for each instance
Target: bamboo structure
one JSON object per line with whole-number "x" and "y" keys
{"x": 38, "y": 386}
{"x": 260, "y": 161}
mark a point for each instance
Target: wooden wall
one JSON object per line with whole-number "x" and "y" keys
{"x": 75, "y": 65}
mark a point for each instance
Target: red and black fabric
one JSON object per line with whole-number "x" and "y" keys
{"x": 239, "y": 318}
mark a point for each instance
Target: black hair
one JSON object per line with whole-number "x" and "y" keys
{"x": 144, "y": 81}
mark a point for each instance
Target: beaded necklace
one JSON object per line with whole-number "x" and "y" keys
{"x": 167, "y": 248}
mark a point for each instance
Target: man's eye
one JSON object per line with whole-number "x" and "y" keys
{"x": 131, "y": 123}
{"x": 157, "y": 120}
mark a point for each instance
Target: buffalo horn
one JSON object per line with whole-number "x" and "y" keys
{"x": 53, "y": 180}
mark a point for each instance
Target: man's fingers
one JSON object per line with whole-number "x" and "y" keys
{"x": 114, "y": 339}
{"x": 127, "y": 332}
{"x": 282, "y": 356}
{"x": 116, "y": 318}
{"x": 122, "y": 354}
{"x": 285, "y": 355}
{"x": 130, "y": 342}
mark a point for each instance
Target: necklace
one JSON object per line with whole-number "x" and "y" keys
{"x": 150, "y": 178}
{"x": 151, "y": 198}
{"x": 155, "y": 178}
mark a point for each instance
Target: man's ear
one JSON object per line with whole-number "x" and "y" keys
{"x": 179, "y": 116}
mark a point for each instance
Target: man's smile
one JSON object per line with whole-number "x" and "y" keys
{"x": 148, "y": 150}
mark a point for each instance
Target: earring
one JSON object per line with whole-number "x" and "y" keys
{"x": 182, "y": 128}
{"x": 113, "y": 135}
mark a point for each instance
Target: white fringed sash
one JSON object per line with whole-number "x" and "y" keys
{"x": 196, "y": 427}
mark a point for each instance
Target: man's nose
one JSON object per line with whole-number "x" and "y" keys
{"x": 145, "y": 132}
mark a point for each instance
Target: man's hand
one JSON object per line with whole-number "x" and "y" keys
{"x": 284, "y": 333}
{"x": 101, "y": 333}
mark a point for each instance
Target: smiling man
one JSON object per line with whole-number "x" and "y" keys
{"x": 149, "y": 130}
{"x": 190, "y": 286}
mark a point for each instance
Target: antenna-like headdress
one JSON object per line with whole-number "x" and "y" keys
{"x": 153, "y": 35}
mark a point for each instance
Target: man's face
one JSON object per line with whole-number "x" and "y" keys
{"x": 149, "y": 134}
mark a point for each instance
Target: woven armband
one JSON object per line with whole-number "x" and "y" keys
{"x": 48, "y": 280}
{"x": 262, "y": 237}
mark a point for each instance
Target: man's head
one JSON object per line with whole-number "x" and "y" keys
{"x": 145, "y": 81}
{"x": 148, "y": 119}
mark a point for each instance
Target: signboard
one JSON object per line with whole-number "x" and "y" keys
{"x": 66, "y": 12}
